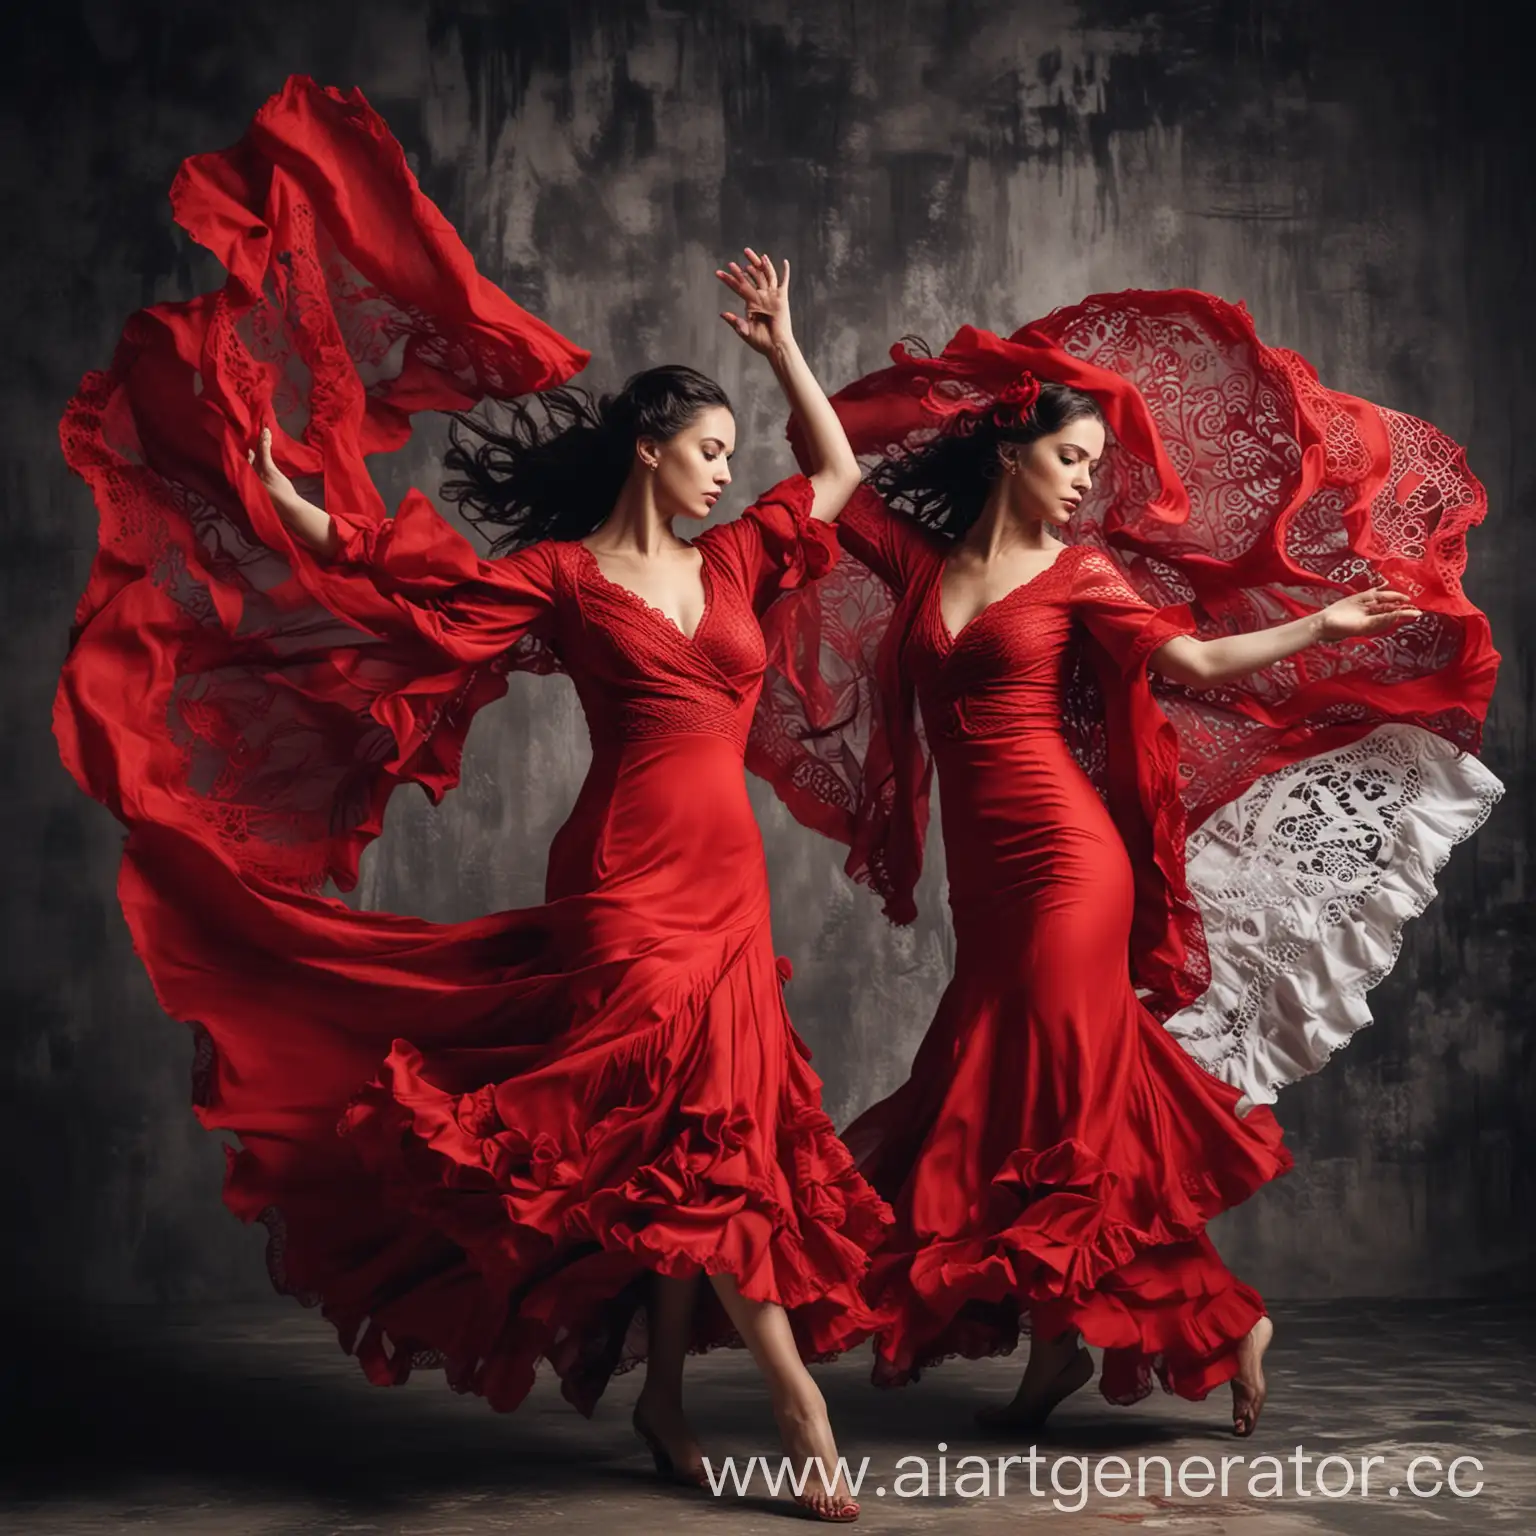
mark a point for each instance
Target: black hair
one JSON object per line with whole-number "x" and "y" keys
{"x": 944, "y": 484}
{"x": 558, "y": 478}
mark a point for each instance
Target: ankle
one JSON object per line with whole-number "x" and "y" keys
{"x": 802, "y": 1404}
{"x": 655, "y": 1400}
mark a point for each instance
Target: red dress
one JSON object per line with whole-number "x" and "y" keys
{"x": 1052, "y": 1140}
{"x": 1167, "y": 902}
{"x": 471, "y": 1141}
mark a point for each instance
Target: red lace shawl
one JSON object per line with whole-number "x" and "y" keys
{"x": 1236, "y": 492}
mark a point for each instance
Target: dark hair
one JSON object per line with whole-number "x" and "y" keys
{"x": 945, "y": 483}
{"x": 558, "y": 478}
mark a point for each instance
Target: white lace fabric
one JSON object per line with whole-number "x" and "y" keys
{"x": 1305, "y": 882}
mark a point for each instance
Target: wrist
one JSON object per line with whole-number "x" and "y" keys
{"x": 783, "y": 350}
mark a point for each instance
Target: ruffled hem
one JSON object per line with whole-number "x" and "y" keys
{"x": 561, "y": 1221}
{"x": 1152, "y": 1294}
{"x": 1297, "y": 940}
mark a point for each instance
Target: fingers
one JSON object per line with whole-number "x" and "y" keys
{"x": 736, "y": 284}
{"x": 1382, "y": 623}
{"x": 762, "y": 268}
{"x": 761, "y": 271}
{"x": 261, "y": 455}
{"x": 758, "y": 283}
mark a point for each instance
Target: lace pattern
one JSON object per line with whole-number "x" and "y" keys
{"x": 274, "y": 742}
{"x": 1395, "y": 503}
{"x": 1305, "y": 882}
{"x": 1235, "y": 492}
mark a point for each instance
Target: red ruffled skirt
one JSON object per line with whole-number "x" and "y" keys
{"x": 1055, "y": 1154}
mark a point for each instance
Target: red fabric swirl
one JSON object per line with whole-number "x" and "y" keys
{"x": 471, "y": 1141}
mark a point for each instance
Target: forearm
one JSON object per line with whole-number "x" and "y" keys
{"x": 1208, "y": 663}
{"x": 312, "y": 526}
{"x": 834, "y": 471}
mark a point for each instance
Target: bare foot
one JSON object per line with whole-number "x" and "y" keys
{"x": 807, "y": 1435}
{"x": 666, "y": 1432}
{"x": 1248, "y": 1386}
{"x": 1035, "y": 1400}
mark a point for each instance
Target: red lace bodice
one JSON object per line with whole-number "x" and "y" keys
{"x": 551, "y": 606}
{"x": 1004, "y": 671}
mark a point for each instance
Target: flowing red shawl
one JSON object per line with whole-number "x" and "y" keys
{"x": 1236, "y": 492}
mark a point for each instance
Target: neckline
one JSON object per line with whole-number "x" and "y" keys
{"x": 650, "y": 608}
{"x": 954, "y": 637}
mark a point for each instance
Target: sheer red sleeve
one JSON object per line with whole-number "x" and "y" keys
{"x": 882, "y": 540}
{"x": 836, "y": 731}
{"x": 414, "y": 576}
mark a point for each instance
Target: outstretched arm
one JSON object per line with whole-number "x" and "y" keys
{"x": 765, "y": 327}
{"x": 312, "y": 526}
{"x": 1206, "y": 663}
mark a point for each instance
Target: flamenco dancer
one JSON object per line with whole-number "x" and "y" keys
{"x": 531, "y": 1135}
{"x": 1134, "y": 489}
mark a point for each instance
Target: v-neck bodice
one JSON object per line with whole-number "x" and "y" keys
{"x": 954, "y": 635}
{"x": 1002, "y": 671}
{"x": 639, "y": 677}
{"x": 637, "y": 674}
{"x": 643, "y": 603}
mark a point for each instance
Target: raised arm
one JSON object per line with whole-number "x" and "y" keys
{"x": 765, "y": 327}
{"x": 414, "y": 575}
{"x": 1206, "y": 663}
{"x": 312, "y": 526}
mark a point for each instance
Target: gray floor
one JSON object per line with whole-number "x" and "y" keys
{"x": 229, "y": 1421}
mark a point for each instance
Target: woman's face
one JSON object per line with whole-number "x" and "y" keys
{"x": 1051, "y": 475}
{"x": 691, "y": 469}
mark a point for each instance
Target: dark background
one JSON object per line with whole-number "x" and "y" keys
{"x": 1354, "y": 172}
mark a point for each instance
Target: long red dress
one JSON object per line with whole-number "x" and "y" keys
{"x": 471, "y": 1141}
{"x": 1166, "y": 904}
{"x": 1052, "y": 1141}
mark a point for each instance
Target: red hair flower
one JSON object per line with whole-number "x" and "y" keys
{"x": 1017, "y": 401}
{"x": 966, "y": 406}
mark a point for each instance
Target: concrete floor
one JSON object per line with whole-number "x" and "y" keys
{"x": 226, "y": 1421}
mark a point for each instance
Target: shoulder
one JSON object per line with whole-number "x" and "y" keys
{"x": 778, "y": 515}
{"x": 539, "y": 564}
{"x": 1095, "y": 574}
{"x": 875, "y": 533}
{"x": 776, "y": 534}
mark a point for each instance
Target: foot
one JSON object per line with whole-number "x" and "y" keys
{"x": 1036, "y": 1399}
{"x": 1248, "y": 1386}
{"x": 807, "y": 1435}
{"x": 663, "y": 1426}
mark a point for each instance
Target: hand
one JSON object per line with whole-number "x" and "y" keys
{"x": 1372, "y": 612}
{"x": 279, "y": 486}
{"x": 765, "y": 299}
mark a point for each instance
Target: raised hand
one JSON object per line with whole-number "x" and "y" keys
{"x": 764, "y": 322}
{"x": 1372, "y": 612}
{"x": 277, "y": 484}
{"x": 310, "y": 524}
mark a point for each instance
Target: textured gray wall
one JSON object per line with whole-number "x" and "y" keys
{"x": 1354, "y": 178}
